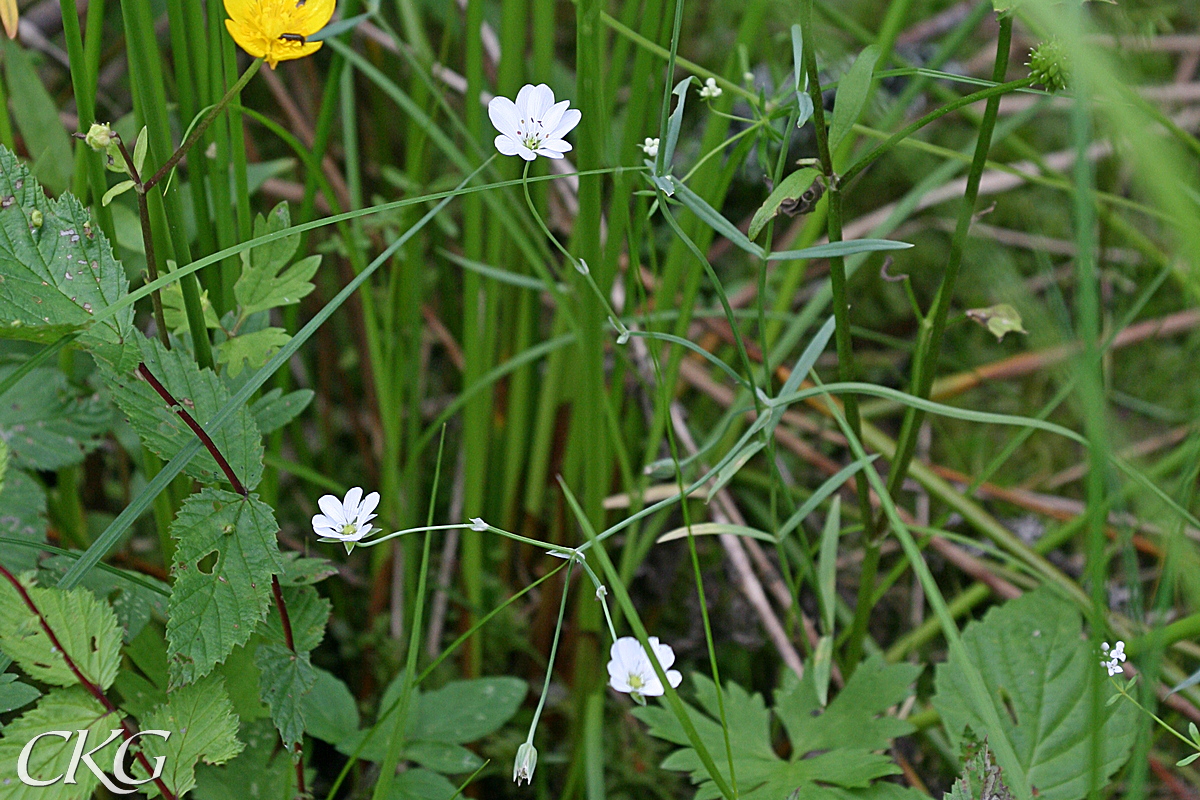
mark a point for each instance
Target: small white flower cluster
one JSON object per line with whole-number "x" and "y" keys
{"x": 710, "y": 90}
{"x": 650, "y": 147}
{"x": 1114, "y": 657}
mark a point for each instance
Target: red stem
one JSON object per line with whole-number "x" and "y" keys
{"x": 92, "y": 688}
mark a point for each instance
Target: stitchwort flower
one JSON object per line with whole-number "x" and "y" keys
{"x": 650, "y": 147}
{"x": 534, "y": 125}
{"x": 348, "y": 520}
{"x": 710, "y": 89}
{"x": 630, "y": 669}
{"x": 1115, "y": 658}
{"x": 277, "y": 30}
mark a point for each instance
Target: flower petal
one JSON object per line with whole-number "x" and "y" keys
{"x": 541, "y": 151}
{"x": 369, "y": 504}
{"x": 664, "y": 653}
{"x": 553, "y": 115}
{"x": 675, "y": 677}
{"x": 570, "y": 119}
{"x": 556, "y": 145}
{"x": 312, "y": 16}
{"x": 525, "y": 99}
{"x": 508, "y": 146}
{"x": 333, "y": 509}
{"x": 504, "y": 116}
{"x": 352, "y": 502}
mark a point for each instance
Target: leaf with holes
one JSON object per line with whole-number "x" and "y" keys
{"x": 224, "y": 560}
{"x": 202, "y": 394}
{"x": 262, "y": 285}
{"x": 56, "y": 271}
{"x": 286, "y": 678}
{"x": 46, "y": 423}
{"x": 85, "y": 628}
{"x": 202, "y": 725}
{"x": 1040, "y": 673}
{"x": 69, "y": 710}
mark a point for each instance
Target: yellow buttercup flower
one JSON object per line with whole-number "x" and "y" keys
{"x": 277, "y": 30}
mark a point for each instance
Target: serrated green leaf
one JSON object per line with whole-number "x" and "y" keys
{"x": 263, "y": 771}
{"x": 286, "y": 678}
{"x": 464, "y": 711}
{"x": 852, "y": 93}
{"x": 330, "y": 711}
{"x": 275, "y": 409}
{"x": 262, "y": 285}
{"x": 241, "y": 677}
{"x": 789, "y": 189}
{"x": 70, "y": 709}
{"x": 133, "y": 597}
{"x": 831, "y": 750}
{"x": 46, "y": 423}
{"x": 215, "y": 608}
{"x": 202, "y": 725}
{"x": 85, "y": 627}
{"x": 250, "y": 349}
{"x": 301, "y": 570}
{"x": 55, "y": 276}
{"x": 36, "y": 114}
{"x": 14, "y": 694}
{"x": 138, "y": 696}
{"x": 203, "y": 394}
{"x": 308, "y": 614}
{"x": 1037, "y": 668}
{"x": 22, "y": 516}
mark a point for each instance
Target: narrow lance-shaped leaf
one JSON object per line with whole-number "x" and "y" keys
{"x": 852, "y": 93}
{"x": 216, "y": 606}
{"x": 56, "y": 270}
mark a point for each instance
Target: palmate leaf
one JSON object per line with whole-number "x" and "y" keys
{"x": 832, "y": 752}
{"x": 203, "y": 726}
{"x": 264, "y": 283}
{"x": 46, "y": 423}
{"x": 85, "y": 627}
{"x": 56, "y": 271}
{"x": 1040, "y": 673}
{"x": 72, "y": 710}
{"x": 202, "y": 394}
{"x": 216, "y": 605}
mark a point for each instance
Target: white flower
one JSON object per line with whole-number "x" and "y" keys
{"x": 525, "y": 764}
{"x": 630, "y": 669}
{"x": 710, "y": 88}
{"x": 534, "y": 125}
{"x": 1115, "y": 657}
{"x": 650, "y": 147}
{"x": 347, "y": 520}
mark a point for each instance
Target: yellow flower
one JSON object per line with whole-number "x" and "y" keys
{"x": 276, "y": 30}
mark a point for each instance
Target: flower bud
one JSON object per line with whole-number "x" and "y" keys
{"x": 99, "y": 136}
{"x": 525, "y": 764}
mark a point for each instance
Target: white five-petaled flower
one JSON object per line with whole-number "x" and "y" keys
{"x": 534, "y": 125}
{"x": 710, "y": 88}
{"x": 650, "y": 147}
{"x": 347, "y": 520}
{"x": 630, "y": 669}
{"x": 1115, "y": 657}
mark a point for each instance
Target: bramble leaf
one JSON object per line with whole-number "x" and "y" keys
{"x": 14, "y": 694}
{"x": 1038, "y": 670}
{"x": 46, "y": 423}
{"x": 22, "y": 516}
{"x": 202, "y": 725}
{"x": 286, "y": 678}
{"x": 84, "y": 626}
{"x": 202, "y": 394}
{"x": 56, "y": 271}
{"x": 263, "y": 771}
{"x": 308, "y": 614}
{"x": 70, "y": 710}
{"x": 262, "y": 285}
{"x": 216, "y": 606}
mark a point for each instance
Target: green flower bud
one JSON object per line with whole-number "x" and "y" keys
{"x": 99, "y": 136}
{"x": 526, "y": 762}
{"x": 1050, "y": 66}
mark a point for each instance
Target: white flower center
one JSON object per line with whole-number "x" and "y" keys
{"x": 349, "y": 529}
{"x": 531, "y": 133}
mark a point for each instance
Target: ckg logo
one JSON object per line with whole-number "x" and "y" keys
{"x": 82, "y": 756}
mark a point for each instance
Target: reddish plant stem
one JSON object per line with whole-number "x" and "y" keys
{"x": 96, "y": 692}
{"x": 285, "y": 619}
{"x": 201, "y": 434}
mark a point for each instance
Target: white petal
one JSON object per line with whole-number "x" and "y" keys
{"x": 651, "y": 686}
{"x": 675, "y": 677}
{"x": 526, "y": 153}
{"x": 541, "y": 151}
{"x": 553, "y": 115}
{"x": 352, "y": 502}
{"x": 540, "y": 101}
{"x": 525, "y": 99}
{"x": 664, "y": 653}
{"x": 504, "y": 115}
{"x": 620, "y": 683}
{"x": 570, "y": 119}
{"x": 322, "y": 521}
{"x": 556, "y": 145}
{"x": 368, "y": 505}
{"x": 508, "y": 146}
{"x": 333, "y": 509}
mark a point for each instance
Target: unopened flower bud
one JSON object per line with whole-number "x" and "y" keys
{"x": 1050, "y": 66}
{"x": 525, "y": 764}
{"x": 99, "y": 136}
